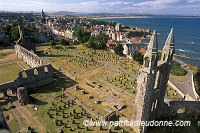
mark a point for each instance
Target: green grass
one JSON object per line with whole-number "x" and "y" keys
{"x": 170, "y": 94}
{"x": 123, "y": 81}
{"x": 64, "y": 115}
{"x": 43, "y": 94}
{"x": 177, "y": 70}
{"x": 9, "y": 72}
{"x": 13, "y": 124}
{"x": 70, "y": 58}
{"x": 2, "y": 55}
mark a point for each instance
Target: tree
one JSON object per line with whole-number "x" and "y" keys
{"x": 52, "y": 43}
{"x": 14, "y": 33}
{"x": 119, "y": 49}
{"x": 7, "y": 29}
{"x": 97, "y": 42}
{"x": 137, "y": 56}
{"x": 82, "y": 36}
{"x": 64, "y": 42}
{"x": 90, "y": 43}
{"x": 32, "y": 39}
{"x": 100, "y": 41}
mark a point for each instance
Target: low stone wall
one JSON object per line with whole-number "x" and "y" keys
{"x": 194, "y": 89}
{"x": 30, "y": 78}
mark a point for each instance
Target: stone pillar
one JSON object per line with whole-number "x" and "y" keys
{"x": 22, "y": 95}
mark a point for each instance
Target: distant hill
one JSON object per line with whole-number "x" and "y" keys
{"x": 67, "y": 13}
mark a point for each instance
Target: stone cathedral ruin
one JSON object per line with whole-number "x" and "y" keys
{"x": 152, "y": 85}
{"x": 39, "y": 74}
{"x": 151, "y": 82}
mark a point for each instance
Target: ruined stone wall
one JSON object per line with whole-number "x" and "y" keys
{"x": 41, "y": 73}
{"x": 30, "y": 78}
{"x": 28, "y": 57}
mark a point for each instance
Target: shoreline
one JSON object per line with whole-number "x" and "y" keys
{"x": 115, "y": 17}
{"x": 111, "y": 17}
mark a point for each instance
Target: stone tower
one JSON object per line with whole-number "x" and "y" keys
{"x": 145, "y": 83}
{"x": 163, "y": 71}
{"x": 152, "y": 81}
{"x": 43, "y": 20}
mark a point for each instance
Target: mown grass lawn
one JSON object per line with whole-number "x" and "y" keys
{"x": 2, "y": 55}
{"x": 9, "y": 72}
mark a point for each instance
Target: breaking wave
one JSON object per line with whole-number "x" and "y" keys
{"x": 187, "y": 51}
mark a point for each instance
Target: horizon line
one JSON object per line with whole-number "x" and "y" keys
{"x": 108, "y": 13}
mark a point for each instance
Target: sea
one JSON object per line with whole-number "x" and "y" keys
{"x": 187, "y": 32}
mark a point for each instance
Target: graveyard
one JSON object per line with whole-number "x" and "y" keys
{"x": 172, "y": 94}
{"x": 91, "y": 73}
{"x": 105, "y": 82}
{"x": 64, "y": 114}
{"x": 88, "y": 85}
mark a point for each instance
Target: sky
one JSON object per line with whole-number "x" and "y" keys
{"x": 175, "y": 7}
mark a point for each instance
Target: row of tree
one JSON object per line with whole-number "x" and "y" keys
{"x": 97, "y": 42}
{"x": 63, "y": 43}
{"x": 12, "y": 31}
{"x": 81, "y": 35}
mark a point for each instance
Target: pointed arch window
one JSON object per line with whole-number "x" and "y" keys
{"x": 163, "y": 56}
{"x": 146, "y": 62}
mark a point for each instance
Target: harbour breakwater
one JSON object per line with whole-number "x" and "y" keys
{"x": 187, "y": 57}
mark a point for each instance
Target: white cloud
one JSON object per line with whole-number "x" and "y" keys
{"x": 193, "y": 1}
{"x": 156, "y": 3}
{"x": 112, "y": 6}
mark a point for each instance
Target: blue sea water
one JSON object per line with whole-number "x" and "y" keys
{"x": 187, "y": 32}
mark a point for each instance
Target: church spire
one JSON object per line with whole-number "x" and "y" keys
{"x": 170, "y": 40}
{"x": 153, "y": 44}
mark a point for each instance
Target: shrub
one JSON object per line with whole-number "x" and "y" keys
{"x": 52, "y": 43}
{"x": 97, "y": 42}
{"x": 137, "y": 56}
{"x": 119, "y": 49}
{"x": 177, "y": 70}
